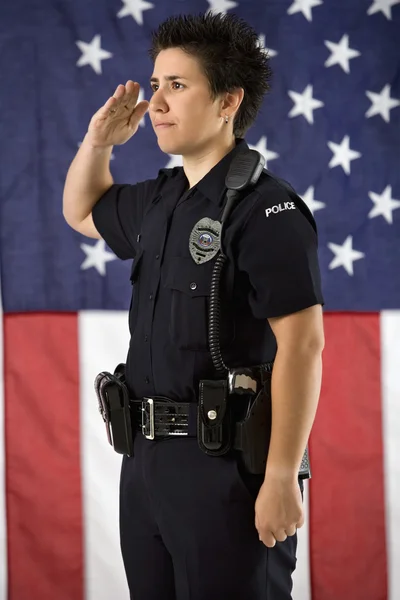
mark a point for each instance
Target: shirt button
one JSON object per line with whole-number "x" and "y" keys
{"x": 157, "y": 256}
{"x": 193, "y": 285}
{"x": 151, "y": 297}
{"x": 146, "y": 338}
{"x": 147, "y": 380}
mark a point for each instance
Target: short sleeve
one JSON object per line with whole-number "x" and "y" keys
{"x": 118, "y": 215}
{"x": 278, "y": 249}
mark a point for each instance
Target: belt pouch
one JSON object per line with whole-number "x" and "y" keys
{"x": 117, "y": 397}
{"x": 214, "y": 419}
{"x": 254, "y": 431}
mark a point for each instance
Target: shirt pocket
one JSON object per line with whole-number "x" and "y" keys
{"x": 190, "y": 286}
{"x": 134, "y": 277}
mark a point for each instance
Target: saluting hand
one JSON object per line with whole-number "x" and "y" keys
{"x": 118, "y": 119}
{"x": 278, "y": 509}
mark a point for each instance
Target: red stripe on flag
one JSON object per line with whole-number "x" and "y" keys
{"x": 44, "y": 514}
{"x": 347, "y": 514}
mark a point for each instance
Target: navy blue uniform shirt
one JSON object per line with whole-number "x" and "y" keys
{"x": 271, "y": 243}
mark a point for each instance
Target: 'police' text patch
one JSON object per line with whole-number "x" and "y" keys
{"x": 279, "y": 208}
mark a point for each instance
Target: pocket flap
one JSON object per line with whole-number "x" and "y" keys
{"x": 185, "y": 275}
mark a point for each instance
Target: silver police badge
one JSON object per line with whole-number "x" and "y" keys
{"x": 204, "y": 241}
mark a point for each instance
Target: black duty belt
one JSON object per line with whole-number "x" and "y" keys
{"x": 159, "y": 416}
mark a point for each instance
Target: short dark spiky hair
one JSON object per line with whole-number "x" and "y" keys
{"x": 229, "y": 53}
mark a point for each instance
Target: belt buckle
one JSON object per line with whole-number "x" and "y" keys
{"x": 148, "y": 426}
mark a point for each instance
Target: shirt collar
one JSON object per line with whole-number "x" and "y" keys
{"x": 212, "y": 185}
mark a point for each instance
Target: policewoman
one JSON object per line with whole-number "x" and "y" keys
{"x": 199, "y": 519}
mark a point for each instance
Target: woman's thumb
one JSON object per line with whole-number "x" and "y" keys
{"x": 142, "y": 107}
{"x": 138, "y": 113}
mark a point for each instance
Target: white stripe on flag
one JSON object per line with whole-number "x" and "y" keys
{"x": 103, "y": 343}
{"x": 390, "y": 361}
{"x": 3, "y": 518}
{"x": 301, "y": 576}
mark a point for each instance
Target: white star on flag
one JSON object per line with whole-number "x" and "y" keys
{"x": 262, "y": 148}
{"x": 96, "y": 256}
{"x": 309, "y": 199}
{"x": 341, "y": 53}
{"x": 220, "y": 6}
{"x": 384, "y": 204}
{"x": 175, "y": 161}
{"x": 304, "y": 6}
{"x": 345, "y": 255}
{"x": 269, "y": 51}
{"x": 135, "y": 9}
{"x": 382, "y": 104}
{"x": 342, "y": 154}
{"x": 92, "y": 54}
{"x": 384, "y": 6}
{"x": 304, "y": 104}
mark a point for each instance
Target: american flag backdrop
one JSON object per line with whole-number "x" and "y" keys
{"x": 331, "y": 127}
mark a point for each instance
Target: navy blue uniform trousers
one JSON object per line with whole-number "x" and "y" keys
{"x": 187, "y": 527}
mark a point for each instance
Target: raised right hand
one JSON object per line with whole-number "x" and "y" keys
{"x": 118, "y": 119}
